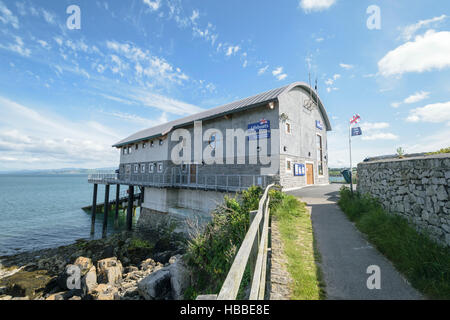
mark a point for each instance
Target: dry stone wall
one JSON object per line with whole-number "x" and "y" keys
{"x": 416, "y": 188}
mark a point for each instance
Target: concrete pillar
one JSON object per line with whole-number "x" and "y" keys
{"x": 130, "y": 208}
{"x": 106, "y": 211}
{"x": 94, "y": 209}
{"x": 116, "y": 216}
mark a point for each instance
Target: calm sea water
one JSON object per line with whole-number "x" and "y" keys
{"x": 44, "y": 211}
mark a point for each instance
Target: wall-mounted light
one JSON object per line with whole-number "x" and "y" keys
{"x": 272, "y": 105}
{"x": 285, "y": 149}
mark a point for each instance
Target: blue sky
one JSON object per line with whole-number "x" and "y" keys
{"x": 67, "y": 95}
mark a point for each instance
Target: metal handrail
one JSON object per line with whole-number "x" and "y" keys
{"x": 185, "y": 180}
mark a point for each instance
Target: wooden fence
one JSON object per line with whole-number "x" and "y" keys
{"x": 253, "y": 251}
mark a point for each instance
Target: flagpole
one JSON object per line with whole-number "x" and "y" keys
{"x": 350, "y": 148}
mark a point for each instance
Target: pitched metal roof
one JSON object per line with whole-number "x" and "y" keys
{"x": 236, "y": 106}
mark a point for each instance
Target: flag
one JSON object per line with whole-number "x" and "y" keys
{"x": 356, "y": 118}
{"x": 356, "y": 131}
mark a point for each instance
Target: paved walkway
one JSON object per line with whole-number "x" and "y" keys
{"x": 346, "y": 254}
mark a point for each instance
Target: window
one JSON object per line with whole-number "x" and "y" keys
{"x": 151, "y": 167}
{"x": 152, "y": 144}
{"x": 137, "y": 146}
{"x": 184, "y": 168}
{"x": 161, "y": 142}
{"x": 288, "y": 128}
{"x": 128, "y": 169}
{"x": 319, "y": 155}
{"x": 160, "y": 167}
{"x": 129, "y": 150}
{"x": 142, "y": 168}
{"x": 144, "y": 145}
{"x": 288, "y": 165}
{"x": 124, "y": 150}
{"x": 136, "y": 168}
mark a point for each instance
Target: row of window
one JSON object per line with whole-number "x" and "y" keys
{"x": 145, "y": 168}
{"x": 128, "y": 149}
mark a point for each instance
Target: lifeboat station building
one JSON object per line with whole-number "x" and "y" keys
{"x": 185, "y": 167}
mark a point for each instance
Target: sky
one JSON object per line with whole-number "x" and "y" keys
{"x": 68, "y": 94}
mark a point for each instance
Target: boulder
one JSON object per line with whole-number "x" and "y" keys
{"x": 180, "y": 278}
{"x": 147, "y": 264}
{"x": 56, "y": 296}
{"x": 89, "y": 281}
{"x": 105, "y": 292}
{"x": 85, "y": 264}
{"x": 24, "y": 283}
{"x": 156, "y": 286}
{"x": 109, "y": 271}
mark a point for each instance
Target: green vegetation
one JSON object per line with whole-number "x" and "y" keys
{"x": 211, "y": 253}
{"x": 400, "y": 152}
{"x": 294, "y": 222}
{"x": 423, "y": 262}
{"x": 445, "y": 150}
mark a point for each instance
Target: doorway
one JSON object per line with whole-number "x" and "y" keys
{"x": 309, "y": 173}
{"x": 193, "y": 174}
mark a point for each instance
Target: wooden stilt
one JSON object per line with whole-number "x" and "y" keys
{"x": 106, "y": 211}
{"x": 130, "y": 208}
{"x": 94, "y": 209}
{"x": 116, "y": 216}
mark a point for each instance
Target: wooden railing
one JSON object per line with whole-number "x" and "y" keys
{"x": 253, "y": 251}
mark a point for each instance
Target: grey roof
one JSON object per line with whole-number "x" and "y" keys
{"x": 236, "y": 106}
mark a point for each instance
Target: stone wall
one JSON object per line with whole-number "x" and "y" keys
{"x": 416, "y": 188}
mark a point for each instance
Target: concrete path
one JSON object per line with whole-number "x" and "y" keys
{"x": 346, "y": 254}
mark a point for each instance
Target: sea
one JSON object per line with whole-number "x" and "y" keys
{"x": 44, "y": 211}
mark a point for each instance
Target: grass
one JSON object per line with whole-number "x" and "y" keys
{"x": 445, "y": 150}
{"x": 422, "y": 261}
{"x": 294, "y": 223}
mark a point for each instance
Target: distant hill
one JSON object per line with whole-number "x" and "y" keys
{"x": 60, "y": 171}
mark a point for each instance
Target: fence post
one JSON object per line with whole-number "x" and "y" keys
{"x": 254, "y": 252}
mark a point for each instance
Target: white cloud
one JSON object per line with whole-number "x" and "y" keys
{"x": 195, "y": 16}
{"x": 380, "y": 136}
{"x": 336, "y": 76}
{"x": 346, "y": 66}
{"x": 409, "y": 31}
{"x": 320, "y": 39}
{"x": 263, "y": 70}
{"x": 278, "y": 73}
{"x": 232, "y": 50}
{"x": 427, "y": 52}
{"x": 18, "y": 46}
{"x": 370, "y": 126}
{"x": 49, "y": 17}
{"x": 316, "y": 5}
{"x": 44, "y": 44}
{"x": 153, "y": 5}
{"x": 7, "y": 17}
{"x": 434, "y": 113}
{"x": 418, "y": 96}
{"x": 49, "y": 140}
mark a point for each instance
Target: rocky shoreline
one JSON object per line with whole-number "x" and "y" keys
{"x": 125, "y": 266}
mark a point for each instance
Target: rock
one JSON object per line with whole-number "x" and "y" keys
{"x": 163, "y": 257}
{"x": 75, "y": 298}
{"x": 105, "y": 292}
{"x": 24, "y": 283}
{"x": 89, "y": 281}
{"x": 85, "y": 264}
{"x": 156, "y": 286}
{"x": 71, "y": 271}
{"x": 130, "y": 269}
{"x": 6, "y": 298}
{"x": 180, "y": 278}
{"x": 56, "y": 296}
{"x": 109, "y": 271}
{"x": 148, "y": 264}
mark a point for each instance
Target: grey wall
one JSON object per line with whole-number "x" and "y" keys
{"x": 301, "y": 144}
{"x": 416, "y": 188}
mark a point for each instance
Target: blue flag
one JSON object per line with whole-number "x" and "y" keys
{"x": 356, "y": 131}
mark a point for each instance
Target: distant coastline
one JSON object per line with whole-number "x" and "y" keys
{"x": 71, "y": 171}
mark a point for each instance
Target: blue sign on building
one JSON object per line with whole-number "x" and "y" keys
{"x": 299, "y": 169}
{"x": 356, "y": 131}
{"x": 319, "y": 125}
{"x": 261, "y": 125}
